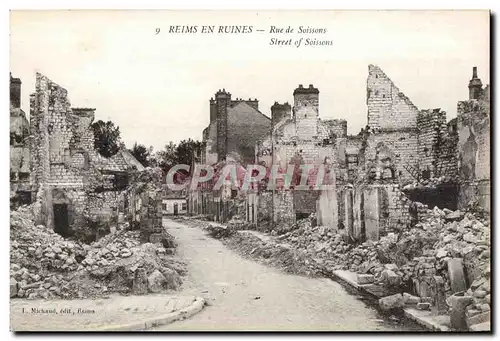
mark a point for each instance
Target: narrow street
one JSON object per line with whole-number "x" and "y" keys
{"x": 245, "y": 295}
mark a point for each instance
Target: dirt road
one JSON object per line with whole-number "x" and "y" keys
{"x": 245, "y": 295}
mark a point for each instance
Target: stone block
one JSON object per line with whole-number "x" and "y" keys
{"x": 13, "y": 287}
{"x": 140, "y": 285}
{"x": 481, "y": 327}
{"x": 392, "y": 267}
{"x": 454, "y": 216}
{"x": 480, "y": 293}
{"x": 470, "y": 311}
{"x": 456, "y": 275}
{"x": 459, "y": 303}
{"x": 423, "y": 306}
{"x": 410, "y": 299}
{"x": 156, "y": 281}
{"x": 441, "y": 254}
{"x": 423, "y": 288}
{"x": 426, "y": 299}
{"x": 479, "y": 318}
{"x": 365, "y": 279}
{"x": 390, "y": 278}
{"x": 439, "y": 294}
{"x": 484, "y": 307}
{"x": 391, "y": 302}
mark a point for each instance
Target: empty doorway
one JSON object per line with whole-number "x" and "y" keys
{"x": 61, "y": 219}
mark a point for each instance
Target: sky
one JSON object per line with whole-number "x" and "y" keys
{"x": 156, "y": 87}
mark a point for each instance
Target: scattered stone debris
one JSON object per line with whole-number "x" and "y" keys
{"x": 219, "y": 231}
{"x": 391, "y": 302}
{"x": 415, "y": 261}
{"x": 46, "y": 265}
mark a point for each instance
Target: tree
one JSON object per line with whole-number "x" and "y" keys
{"x": 173, "y": 154}
{"x": 187, "y": 150}
{"x": 106, "y": 138}
{"x": 166, "y": 158}
{"x": 141, "y": 153}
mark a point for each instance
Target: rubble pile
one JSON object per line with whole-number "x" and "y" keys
{"x": 418, "y": 261}
{"x": 45, "y": 265}
{"x": 195, "y": 222}
{"x": 111, "y": 248}
{"x": 321, "y": 244}
{"x": 219, "y": 231}
{"x": 424, "y": 250}
{"x": 284, "y": 228}
{"x": 271, "y": 253}
{"x": 431, "y": 182}
{"x": 238, "y": 223}
{"x": 414, "y": 260}
{"x": 146, "y": 269}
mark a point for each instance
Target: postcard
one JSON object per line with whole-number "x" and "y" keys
{"x": 175, "y": 170}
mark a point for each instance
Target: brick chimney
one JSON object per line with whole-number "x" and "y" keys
{"x": 15, "y": 92}
{"x": 222, "y": 102}
{"x": 280, "y": 111}
{"x": 475, "y": 85}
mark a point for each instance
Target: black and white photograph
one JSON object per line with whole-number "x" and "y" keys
{"x": 250, "y": 170}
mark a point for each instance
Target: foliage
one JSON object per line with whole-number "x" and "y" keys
{"x": 106, "y": 138}
{"x": 183, "y": 153}
{"x": 141, "y": 153}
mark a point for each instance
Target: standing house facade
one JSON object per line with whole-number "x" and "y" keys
{"x": 234, "y": 128}
{"x": 173, "y": 202}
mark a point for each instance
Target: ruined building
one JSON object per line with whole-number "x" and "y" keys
{"x": 74, "y": 187}
{"x": 445, "y": 162}
{"x": 473, "y": 127}
{"x": 20, "y": 192}
{"x": 299, "y": 137}
{"x": 392, "y": 130}
{"x": 404, "y": 145}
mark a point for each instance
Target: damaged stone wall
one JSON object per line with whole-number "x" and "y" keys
{"x": 20, "y": 188}
{"x": 398, "y": 209}
{"x": 431, "y": 125}
{"x": 70, "y": 180}
{"x": 304, "y": 140}
{"x": 283, "y": 209}
{"x": 388, "y": 108}
{"x": 473, "y": 125}
{"x": 51, "y": 130}
{"x": 447, "y": 161}
{"x": 420, "y": 141}
{"x": 372, "y": 210}
{"x": 394, "y": 151}
{"x": 280, "y": 112}
{"x": 260, "y": 210}
{"x": 437, "y": 145}
{"x": 265, "y": 212}
{"x": 351, "y": 155}
{"x": 306, "y": 111}
{"x": 337, "y": 127}
{"x": 142, "y": 203}
{"x": 400, "y": 146}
